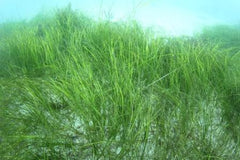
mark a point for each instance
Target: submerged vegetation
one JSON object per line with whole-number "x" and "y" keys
{"x": 75, "y": 88}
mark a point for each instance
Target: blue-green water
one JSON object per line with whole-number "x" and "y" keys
{"x": 176, "y": 17}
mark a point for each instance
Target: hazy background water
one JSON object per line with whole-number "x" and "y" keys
{"x": 174, "y": 16}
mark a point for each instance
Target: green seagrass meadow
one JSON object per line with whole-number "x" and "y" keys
{"x": 74, "y": 88}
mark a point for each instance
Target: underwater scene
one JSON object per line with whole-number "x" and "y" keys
{"x": 119, "y": 80}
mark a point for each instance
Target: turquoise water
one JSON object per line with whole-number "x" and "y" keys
{"x": 176, "y": 17}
